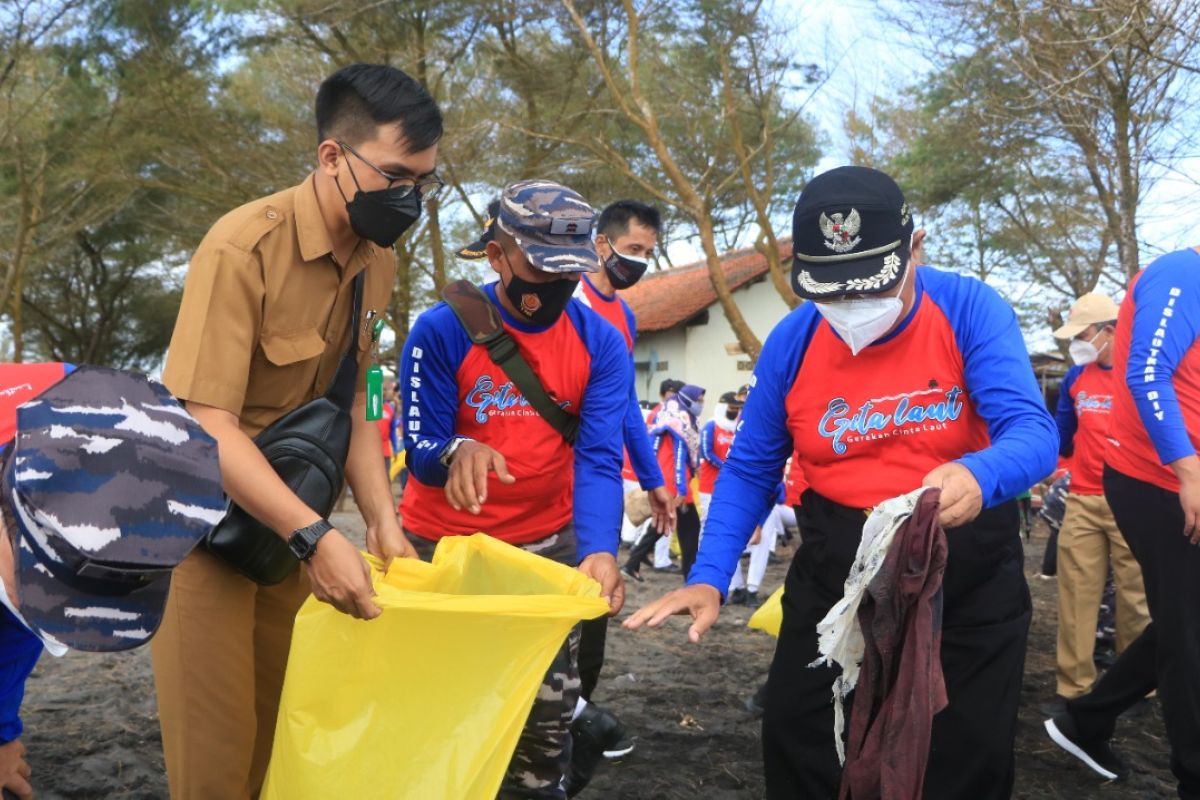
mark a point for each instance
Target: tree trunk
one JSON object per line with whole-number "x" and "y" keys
{"x": 437, "y": 252}
{"x": 712, "y": 259}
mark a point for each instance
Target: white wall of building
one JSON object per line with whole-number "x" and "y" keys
{"x": 696, "y": 353}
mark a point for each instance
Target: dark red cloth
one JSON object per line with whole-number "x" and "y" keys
{"x": 900, "y": 686}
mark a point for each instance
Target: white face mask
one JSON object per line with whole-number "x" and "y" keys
{"x": 860, "y": 322}
{"x": 1084, "y": 353}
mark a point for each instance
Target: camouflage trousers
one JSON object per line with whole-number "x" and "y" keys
{"x": 543, "y": 753}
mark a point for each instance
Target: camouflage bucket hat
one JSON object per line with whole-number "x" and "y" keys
{"x": 110, "y": 484}
{"x": 551, "y": 224}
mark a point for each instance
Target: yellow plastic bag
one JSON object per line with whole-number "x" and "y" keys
{"x": 426, "y": 701}
{"x": 769, "y": 615}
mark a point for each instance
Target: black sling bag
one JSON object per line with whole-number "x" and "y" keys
{"x": 307, "y": 448}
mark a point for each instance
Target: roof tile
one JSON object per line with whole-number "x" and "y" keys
{"x": 664, "y": 299}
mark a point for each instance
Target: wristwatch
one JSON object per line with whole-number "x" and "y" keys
{"x": 451, "y": 447}
{"x": 303, "y": 542}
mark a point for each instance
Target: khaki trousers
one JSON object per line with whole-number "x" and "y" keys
{"x": 1088, "y": 542}
{"x": 219, "y": 659}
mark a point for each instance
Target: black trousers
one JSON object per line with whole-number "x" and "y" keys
{"x": 687, "y": 528}
{"x": 593, "y": 637}
{"x": 984, "y": 627}
{"x": 1167, "y": 654}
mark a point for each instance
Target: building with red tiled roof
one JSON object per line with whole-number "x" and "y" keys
{"x": 682, "y": 331}
{"x": 662, "y": 300}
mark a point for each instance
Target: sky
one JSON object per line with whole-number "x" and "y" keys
{"x": 869, "y": 55}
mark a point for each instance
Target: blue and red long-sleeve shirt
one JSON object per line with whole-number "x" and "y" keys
{"x": 953, "y": 382}
{"x": 638, "y": 448}
{"x": 19, "y": 648}
{"x": 451, "y": 387}
{"x": 1085, "y": 400}
{"x": 1156, "y": 369}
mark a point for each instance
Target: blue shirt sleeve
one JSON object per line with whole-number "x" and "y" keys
{"x": 435, "y": 348}
{"x": 637, "y": 442}
{"x": 760, "y": 448}
{"x": 706, "y": 445}
{"x": 1166, "y": 323}
{"x": 19, "y": 652}
{"x": 1064, "y": 415}
{"x": 599, "y": 492}
{"x": 1001, "y": 385}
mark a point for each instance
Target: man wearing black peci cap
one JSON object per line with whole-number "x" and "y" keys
{"x": 893, "y": 377}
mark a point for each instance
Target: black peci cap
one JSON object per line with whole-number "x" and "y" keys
{"x": 851, "y": 232}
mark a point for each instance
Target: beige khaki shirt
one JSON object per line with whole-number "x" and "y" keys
{"x": 266, "y": 310}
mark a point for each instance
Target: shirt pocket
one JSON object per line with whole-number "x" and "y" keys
{"x": 285, "y": 368}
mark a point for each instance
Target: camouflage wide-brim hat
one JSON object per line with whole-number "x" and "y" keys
{"x": 551, "y": 224}
{"x": 111, "y": 484}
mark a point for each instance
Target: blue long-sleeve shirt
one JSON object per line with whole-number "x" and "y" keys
{"x": 953, "y": 382}
{"x": 707, "y": 452}
{"x": 1064, "y": 414}
{"x": 1157, "y": 362}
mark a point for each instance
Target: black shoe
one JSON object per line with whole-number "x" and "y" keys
{"x": 736, "y": 598}
{"x": 1096, "y": 755}
{"x": 1054, "y": 706}
{"x": 669, "y": 568}
{"x": 633, "y": 576}
{"x": 756, "y": 703}
{"x": 596, "y": 734}
{"x": 752, "y": 599}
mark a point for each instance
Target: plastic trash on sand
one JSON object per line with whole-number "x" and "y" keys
{"x": 769, "y": 616}
{"x": 428, "y": 700}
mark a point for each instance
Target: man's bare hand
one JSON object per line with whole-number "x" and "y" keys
{"x": 340, "y": 576}
{"x": 602, "y": 568}
{"x": 467, "y": 485}
{"x": 961, "y": 500}
{"x": 700, "y": 600}
{"x": 1188, "y": 472}
{"x": 662, "y": 510}
{"x": 14, "y": 770}
{"x": 386, "y": 541}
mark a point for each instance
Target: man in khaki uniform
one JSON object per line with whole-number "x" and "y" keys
{"x": 264, "y": 321}
{"x": 1090, "y": 540}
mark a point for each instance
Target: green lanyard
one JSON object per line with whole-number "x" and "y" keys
{"x": 375, "y": 373}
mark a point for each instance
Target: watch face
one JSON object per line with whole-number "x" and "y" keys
{"x": 300, "y": 544}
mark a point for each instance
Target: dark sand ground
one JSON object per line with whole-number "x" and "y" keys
{"x": 92, "y": 732}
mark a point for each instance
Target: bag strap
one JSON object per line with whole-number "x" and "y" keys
{"x": 341, "y": 390}
{"x": 483, "y": 326}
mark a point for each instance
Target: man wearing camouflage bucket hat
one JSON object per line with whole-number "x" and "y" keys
{"x": 110, "y": 484}
{"x": 106, "y": 487}
{"x": 484, "y": 458}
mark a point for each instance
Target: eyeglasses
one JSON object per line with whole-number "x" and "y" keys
{"x": 426, "y": 187}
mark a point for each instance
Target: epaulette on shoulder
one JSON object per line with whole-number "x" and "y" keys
{"x": 256, "y": 224}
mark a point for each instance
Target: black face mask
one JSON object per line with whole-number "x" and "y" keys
{"x": 732, "y": 413}
{"x": 624, "y": 271}
{"x": 384, "y": 215}
{"x": 540, "y": 303}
